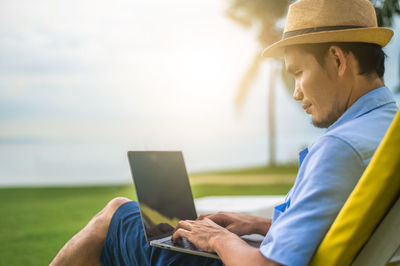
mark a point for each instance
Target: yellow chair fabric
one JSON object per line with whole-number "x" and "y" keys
{"x": 378, "y": 188}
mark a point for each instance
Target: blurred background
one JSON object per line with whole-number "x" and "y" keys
{"x": 83, "y": 82}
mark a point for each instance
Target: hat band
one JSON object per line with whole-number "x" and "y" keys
{"x": 317, "y": 29}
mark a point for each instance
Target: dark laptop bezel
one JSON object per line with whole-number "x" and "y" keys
{"x": 131, "y": 154}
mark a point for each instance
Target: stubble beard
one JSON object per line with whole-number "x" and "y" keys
{"x": 331, "y": 118}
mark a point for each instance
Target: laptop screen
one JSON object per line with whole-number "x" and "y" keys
{"x": 162, "y": 189}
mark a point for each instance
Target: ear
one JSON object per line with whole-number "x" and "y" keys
{"x": 339, "y": 58}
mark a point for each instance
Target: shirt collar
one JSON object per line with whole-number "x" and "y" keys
{"x": 302, "y": 155}
{"x": 364, "y": 104}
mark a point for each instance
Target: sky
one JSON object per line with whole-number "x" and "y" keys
{"x": 83, "y": 82}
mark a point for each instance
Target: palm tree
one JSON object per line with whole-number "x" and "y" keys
{"x": 386, "y": 10}
{"x": 266, "y": 16}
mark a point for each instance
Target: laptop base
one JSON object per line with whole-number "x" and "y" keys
{"x": 186, "y": 247}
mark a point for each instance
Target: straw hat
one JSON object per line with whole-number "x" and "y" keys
{"x": 319, "y": 21}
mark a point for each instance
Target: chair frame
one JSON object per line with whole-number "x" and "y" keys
{"x": 383, "y": 247}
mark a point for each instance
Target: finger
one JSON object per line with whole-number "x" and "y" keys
{"x": 211, "y": 221}
{"x": 201, "y": 217}
{"x": 185, "y": 224}
{"x": 218, "y": 218}
{"x": 233, "y": 228}
{"x": 179, "y": 234}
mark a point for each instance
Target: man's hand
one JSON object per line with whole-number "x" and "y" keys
{"x": 209, "y": 236}
{"x": 240, "y": 224}
{"x": 201, "y": 233}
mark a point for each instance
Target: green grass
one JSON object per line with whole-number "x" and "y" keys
{"x": 258, "y": 170}
{"x": 36, "y": 222}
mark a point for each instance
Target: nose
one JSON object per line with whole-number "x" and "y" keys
{"x": 297, "y": 94}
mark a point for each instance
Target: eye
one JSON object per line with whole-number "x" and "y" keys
{"x": 298, "y": 73}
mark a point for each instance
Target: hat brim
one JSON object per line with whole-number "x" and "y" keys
{"x": 378, "y": 35}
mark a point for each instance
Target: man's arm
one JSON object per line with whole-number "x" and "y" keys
{"x": 326, "y": 178}
{"x": 234, "y": 251}
{"x": 211, "y": 237}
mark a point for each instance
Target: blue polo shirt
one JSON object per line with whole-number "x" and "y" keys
{"x": 329, "y": 169}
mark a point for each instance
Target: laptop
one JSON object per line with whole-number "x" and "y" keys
{"x": 165, "y": 197}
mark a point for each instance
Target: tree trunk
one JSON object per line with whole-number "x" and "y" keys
{"x": 271, "y": 116}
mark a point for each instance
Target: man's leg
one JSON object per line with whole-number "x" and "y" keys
{"x": 85, "y": 247}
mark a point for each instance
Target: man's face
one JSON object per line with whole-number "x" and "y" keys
{"x": 318, "y": 88}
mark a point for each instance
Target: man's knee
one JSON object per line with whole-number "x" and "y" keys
{"x": 103, "y": 218}
{"x": 85, "y": 247}
{"x": 115, "y": 203}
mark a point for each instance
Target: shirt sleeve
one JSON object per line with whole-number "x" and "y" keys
{"x": 326, "y": 178}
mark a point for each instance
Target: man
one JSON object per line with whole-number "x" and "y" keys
{"x": 333, "y": 49}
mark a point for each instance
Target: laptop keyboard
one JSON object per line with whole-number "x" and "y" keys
{"x": 182, "y": 243}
